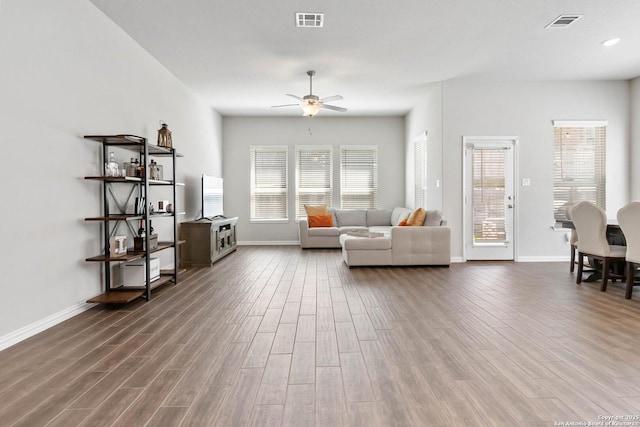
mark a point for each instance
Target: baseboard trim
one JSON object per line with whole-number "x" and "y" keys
{"x": 268, "y": 243}
{"x": 543, "y": 259}
{"x": 25, "y": 332}
{"x": 526, "y": 259}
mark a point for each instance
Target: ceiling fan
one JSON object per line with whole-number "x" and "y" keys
{"x": 312, "y": 104}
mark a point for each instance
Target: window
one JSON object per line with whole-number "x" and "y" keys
{"x": 420, "y": 171}
{"x": 269, "y": 192}
{"x": 579, "y": 164}
{"x": 358, "y": 177}
{"x": 314, "y": 177}
{"x": 489, "y": 173}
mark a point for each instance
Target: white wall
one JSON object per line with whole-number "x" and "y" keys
{"x": 68, "y": 71}
{"x": 634, "y": 149}
{"x": 426, "y": 116}
{"x": 241, "y": 132}
{"x": 526, "y": 110}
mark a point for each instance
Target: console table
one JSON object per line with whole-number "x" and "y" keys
{"x": 207, "y": 241}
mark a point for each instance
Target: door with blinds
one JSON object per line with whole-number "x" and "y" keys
{"x": 489, "y": 198}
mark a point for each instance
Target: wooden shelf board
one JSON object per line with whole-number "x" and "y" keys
{"x": 115, "y": 178}
{"x": 169, "y": 272}
{"x": 132, "y": 255}
{"x": 117, "y": 297}
{"x": 120, "y": 217}
{"x": 129, "y": 179}
{"x": 133, "y": 142}
{"x": 160, "y": 215}
{"x": 117, "y": 139}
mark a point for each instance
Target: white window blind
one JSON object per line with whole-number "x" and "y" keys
{"x": 579, "y": 171}
{"x": 269, "y": 192}
{"x": 420, "y": 171}
{"x": 314, "y": 177}
{"x": 358, "y": 177}
{"x": 489, "y": 221}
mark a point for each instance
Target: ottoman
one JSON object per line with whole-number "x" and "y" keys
{"x": 362, "y": 251}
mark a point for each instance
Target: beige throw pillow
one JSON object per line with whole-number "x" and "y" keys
{"x": 417, "y": 217}
{"x": 315, "y": 209}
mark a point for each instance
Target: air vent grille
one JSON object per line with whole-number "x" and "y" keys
{"x": 309, "y": 19}
{"x": 563, "y": 21}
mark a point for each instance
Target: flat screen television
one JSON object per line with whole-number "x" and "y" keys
{"x": 212, "y": 197}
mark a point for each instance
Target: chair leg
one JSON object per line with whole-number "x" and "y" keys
{"x": 630, "y": 278}
{"x": 573, "y": 258}
{"x": 605, "y": 274}
{"x": 580, "y": 265}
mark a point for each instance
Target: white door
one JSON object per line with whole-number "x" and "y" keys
{"x": 489, "y": 198}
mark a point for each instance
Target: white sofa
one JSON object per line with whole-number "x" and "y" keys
{"x": 429, "y": 244}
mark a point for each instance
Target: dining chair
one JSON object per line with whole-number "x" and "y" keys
{"x": 590, "y": 222}
{"x": 629, "y": 221}
{"x": 573, "y": 239}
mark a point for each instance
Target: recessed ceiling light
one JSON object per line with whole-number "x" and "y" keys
{"x": 610, "y": 42}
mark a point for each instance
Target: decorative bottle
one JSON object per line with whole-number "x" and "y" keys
{"x": 111, "y": 167}
{"x": 131, "y": 168}
{"x": 153, "y": 170}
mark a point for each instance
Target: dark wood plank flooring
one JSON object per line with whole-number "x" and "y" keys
{"x": 274, "y": 336}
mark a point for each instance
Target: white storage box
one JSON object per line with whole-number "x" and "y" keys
{"x": 134, "y": 272}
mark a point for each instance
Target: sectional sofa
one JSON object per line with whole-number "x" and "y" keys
{"x": 429, "y": 244}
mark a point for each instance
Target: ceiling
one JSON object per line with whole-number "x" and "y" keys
{"x": 242, "y": 56}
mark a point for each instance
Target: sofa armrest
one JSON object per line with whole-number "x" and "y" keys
{"x": 303, "y": 227}
{"x": 421, "y": 245}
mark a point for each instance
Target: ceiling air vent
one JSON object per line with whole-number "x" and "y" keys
{"x": 563, "y": 21}
{"x": 309, "y": 19}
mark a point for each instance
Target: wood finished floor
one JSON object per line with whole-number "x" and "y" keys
{"x": 274, "y": 336}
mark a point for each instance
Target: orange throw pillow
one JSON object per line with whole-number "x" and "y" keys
{"x": 417, "y": 217}
{"x": 402, "y": 223}
{"x": 320, "y": 220}
{"x": 315, "y": 209}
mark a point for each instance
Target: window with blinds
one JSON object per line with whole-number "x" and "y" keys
{"x": 314, "y": 177}
{"x": 489, "y": 173}
{"x": 269, "y": 191}
{"x": 358, "y": 177}
{"x": 420, "y": 171}
{"x": 579, "y": 172}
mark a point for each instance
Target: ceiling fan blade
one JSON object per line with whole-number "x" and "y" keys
{"x": 295, "y": 96}
{"x": 285, "y": 105}
{"x": 334, "y": 108}
{"x": 332, "y": 98}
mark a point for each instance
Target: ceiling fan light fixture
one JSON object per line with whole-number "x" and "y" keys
{"x": 310, "y": 109}
{"x": 611, "y": 42}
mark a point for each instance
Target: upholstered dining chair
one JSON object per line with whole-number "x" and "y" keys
{"x": 629, "y": 221}
{"x": 590, "y": 222}
{"x": 573, "y": 239}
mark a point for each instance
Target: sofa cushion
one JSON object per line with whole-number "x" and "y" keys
{"x": 324, "y": 231}
{"x": 315, "y": 209}
{"x": 417, "y": 217}
{"x": 325, "y": 220}
{"x": 365, "y": 243}
{"x": 377, "y": 217}
{"x": 398, "y": 214}
{"x": 434, "y": 218}
{"x": 347, "y": 217}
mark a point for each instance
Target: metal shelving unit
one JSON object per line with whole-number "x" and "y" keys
{"x": 140, "y": 146}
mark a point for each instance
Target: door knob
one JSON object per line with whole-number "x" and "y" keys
{"x": 510, "y": 206}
